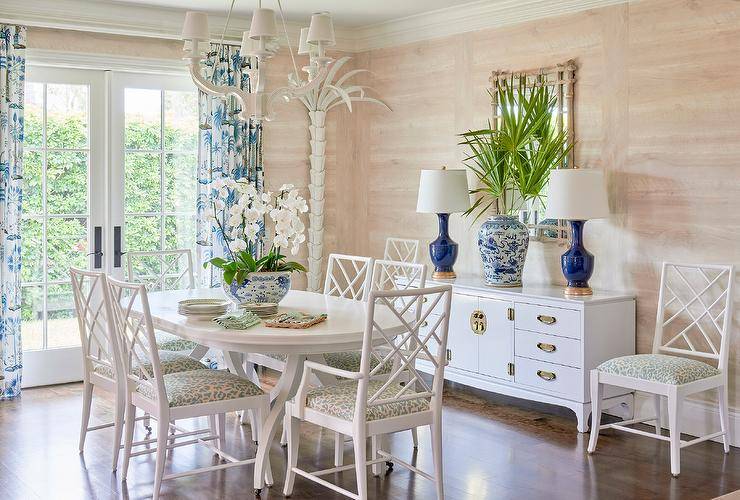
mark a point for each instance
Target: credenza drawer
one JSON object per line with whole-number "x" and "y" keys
{"x": 550, "y": 320}
{"x": 563, "y": 380}
{"x": 560, "y": 350}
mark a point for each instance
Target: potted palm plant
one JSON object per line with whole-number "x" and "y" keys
{"x": 239, "y": 211}
{"x": 512, "y": 164}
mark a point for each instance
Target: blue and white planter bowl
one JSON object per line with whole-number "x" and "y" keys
{"x": 269, "y": 287}
{"x": 503, "y": 243}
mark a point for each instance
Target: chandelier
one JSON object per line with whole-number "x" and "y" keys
{"x": 258, "y": 46}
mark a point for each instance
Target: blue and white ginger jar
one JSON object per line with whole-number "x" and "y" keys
{"x": 259, "y": 288}
{"x": 503, "y": 243}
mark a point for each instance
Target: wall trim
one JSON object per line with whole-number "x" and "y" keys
{"x": 148, "y": 21}
{"x": 112, "y": 62}
{"x": 698, "y": 418}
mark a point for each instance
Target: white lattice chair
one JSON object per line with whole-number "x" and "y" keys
{"x": 363, "y": 406}
{"x": 169, "y": 397}
{"x": 401, "y": 250}
{"x": 174, "y": 272}
{"x": 695, "y": 307}
{"x": 101, "y": 356}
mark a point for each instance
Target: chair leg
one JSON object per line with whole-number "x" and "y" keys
{"x": 128, "y": 438}
{"x": 376, "y": 443}
{"x": 221, "y": 429}
{"x": 293, "y": 431}
{"x": 87, "y": 393}
{"x": 656, "y": 406}
{"x": 597, "y": 392}
{"x": 415, "y": 437}
{"x": 724, "y": 419}
{"x": 261, "y": 416}
{"x": 284, "y": 434}
{"x": 338, "y": 449}
{"x": 118, "y": 422}
{"x": 674, "y": 425}
{"x": 254, "y": 424}
{"x": 360, "y": 444}
{"x": 163, "y": 425}
{"x": 436, "y": 429}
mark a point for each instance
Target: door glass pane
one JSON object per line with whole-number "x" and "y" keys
{"x": 63, "y": 329}
{"x": 180, "y": 182}
{"x": 180, "y": 120}
{"x": 142, "y": 183}
{"x": 32, "y": 182}
{"x": 33, "y": 115}
{"x": 32, "y": 270}
{"x": 66, "y": 116}
{"x": 143, "y": 233}
{"x": 179, "y": 231}
{"x": 32, "y": 317}
{"x": 66, "y": 241}
{"x": 66, "y": 182}
{"x": 143, "y": 118}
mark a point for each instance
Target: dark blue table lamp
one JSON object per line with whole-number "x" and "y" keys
{"x": 577, "y": 195}
{"x": 443, "y": 192}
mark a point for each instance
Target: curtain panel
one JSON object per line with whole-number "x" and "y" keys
{"x": 12, "y": 77}
{"x": 227, "y": 147}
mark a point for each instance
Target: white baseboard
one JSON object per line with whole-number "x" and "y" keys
{"x": 698, "y": 418}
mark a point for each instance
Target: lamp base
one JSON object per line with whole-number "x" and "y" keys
{"x": 578, "y": 290}
{"x": 444, "y": 275}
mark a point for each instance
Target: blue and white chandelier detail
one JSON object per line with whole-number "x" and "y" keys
{"x": 258, "y": 46}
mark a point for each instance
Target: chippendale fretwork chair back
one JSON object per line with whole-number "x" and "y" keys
{"x": 348, "y": 276}
{"x": 365, "y": 407}
{"x": 100, "y": 353}
{"x": 397, "y": 275}
{"x": 695, "y": 312}
{"x": 401, "y": 250}
{"x": 162, "y": 269}
{"x": 693, "y": 325}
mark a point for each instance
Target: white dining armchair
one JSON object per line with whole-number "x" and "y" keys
{"x": 694, "y": 322}
{"x": 401, "y": 250}
{"x": 362, "y": 406}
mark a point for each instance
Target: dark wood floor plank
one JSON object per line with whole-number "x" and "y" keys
{"x": 495, "y": 448}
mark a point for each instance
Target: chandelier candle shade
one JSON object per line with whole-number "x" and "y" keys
{"x": 258, "y": 46}
{"x": 577, "y": 195}
{"x": 443, "y": 192}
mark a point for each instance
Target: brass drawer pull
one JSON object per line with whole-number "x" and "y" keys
{"x": 478, "y": 322}
{"x": 424, "y": 324}
{"x": 548, "y": 320}
{"x": 549, "y": 376}
{"x": 546, "y": 347}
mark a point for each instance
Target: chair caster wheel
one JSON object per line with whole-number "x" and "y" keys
{"x": 257, "y": 491}
{"x": 148, "y": 428}
{"x": 283, "y": 445}
{"x": 675, "y": 476}
{"x": 389, "y": 465}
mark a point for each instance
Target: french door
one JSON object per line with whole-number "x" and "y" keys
{"x": 110, "y": 164}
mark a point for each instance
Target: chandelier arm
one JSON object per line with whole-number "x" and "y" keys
{"x": 217, "y": 90}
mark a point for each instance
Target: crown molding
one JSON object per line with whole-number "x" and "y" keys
{"x": 147, "y": 21}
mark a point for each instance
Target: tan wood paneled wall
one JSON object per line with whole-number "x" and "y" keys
{"x": 657, "y": 106}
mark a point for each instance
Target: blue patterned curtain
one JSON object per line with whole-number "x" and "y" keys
{"x": 227, "y": 146}
{"x": 12, "y": 76}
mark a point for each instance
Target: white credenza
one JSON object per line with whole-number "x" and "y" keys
{"x": 535, "y": 343}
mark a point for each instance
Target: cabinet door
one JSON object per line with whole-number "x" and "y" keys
{"x": 461, "y": 341}
{"x": 496, "y": 343}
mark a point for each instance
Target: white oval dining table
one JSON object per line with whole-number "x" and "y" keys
{"x": 343, "y": 330}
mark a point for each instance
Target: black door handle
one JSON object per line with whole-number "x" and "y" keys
{"x": 117, "y": 253}
{"x": 97, "y": 247}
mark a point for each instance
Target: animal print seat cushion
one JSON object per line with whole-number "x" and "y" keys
{"x": 350, "y": 361}
{"x": 661, "y": 368}
{"x": 279, "y": 357}
{"x": 339, "y": 401}
{"x": 202, "y": 386}
{"x": 169, "y": 342}
{"x": 171, "y": 362}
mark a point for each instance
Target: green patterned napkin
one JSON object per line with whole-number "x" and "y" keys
{"x": 237, "y": 321}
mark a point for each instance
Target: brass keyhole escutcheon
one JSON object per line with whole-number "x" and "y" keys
{"x": 478, "y": 322}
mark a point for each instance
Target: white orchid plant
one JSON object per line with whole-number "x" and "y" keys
{"x": 240, "y": 212}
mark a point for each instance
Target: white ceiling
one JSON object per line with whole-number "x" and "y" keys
{"x": 347, "y": 13}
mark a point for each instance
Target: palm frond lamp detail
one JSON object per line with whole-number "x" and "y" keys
{"x": 443, "y": 192}
{"x": 577, "y": 195}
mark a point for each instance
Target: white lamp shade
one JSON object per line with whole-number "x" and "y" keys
{"x": 321, "y": 29}
{"x": 195, "y": 26}
{"x": 577, "y": 194}
{"x": 263, "y": 24}
{"x": 248, "y": 45}
{"x": 303, "y": 46}
{"x": 443, "y": 192}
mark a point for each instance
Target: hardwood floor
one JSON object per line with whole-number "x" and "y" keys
{"x": 495, "y": 448}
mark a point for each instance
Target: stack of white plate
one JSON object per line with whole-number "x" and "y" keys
{"x": 203, "y": 308}
{"x": 261, "y": 309}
